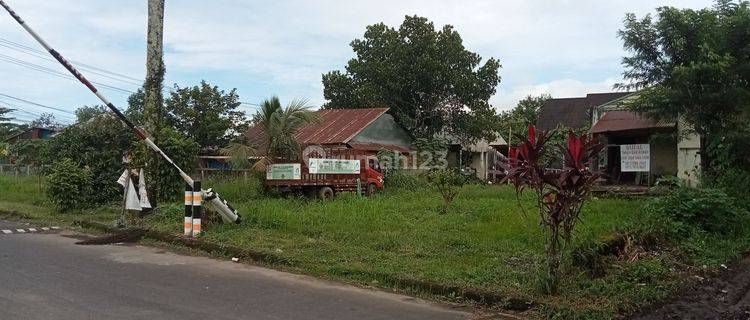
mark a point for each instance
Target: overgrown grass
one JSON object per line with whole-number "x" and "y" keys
{"x": 484, "y": 242}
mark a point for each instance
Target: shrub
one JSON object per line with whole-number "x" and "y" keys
{"x": 560, "y": 194}
{"x": 404, "y": 179}
{"x": 97, "y": 144}
{"x": 449, "y": 184}
{"x": 162, "y": 179}
{"x": 710, "y": 210}
{"x": 69, "y": 186}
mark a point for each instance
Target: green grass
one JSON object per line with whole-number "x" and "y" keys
{"x": 484, "y": 241}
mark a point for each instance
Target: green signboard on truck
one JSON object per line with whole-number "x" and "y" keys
{"x": 333, "y": 166}
{"x": 284, "y": 171}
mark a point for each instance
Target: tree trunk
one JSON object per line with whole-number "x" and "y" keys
{"x": 153, "y": 108}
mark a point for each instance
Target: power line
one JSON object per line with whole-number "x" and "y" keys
{"x": 49, "y": 71}
{"x": 37, "y": 104}
{"x": 42, "y": 55}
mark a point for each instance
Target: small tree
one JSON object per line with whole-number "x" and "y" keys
{"x": 560, "y": 194}
{"x": 68, "y": 185}
{"x": 449, "y": 184}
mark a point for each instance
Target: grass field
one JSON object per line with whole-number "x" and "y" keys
{"x": 484, "y": 242}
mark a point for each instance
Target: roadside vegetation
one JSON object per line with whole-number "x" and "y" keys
{"x": 624, "y": 254}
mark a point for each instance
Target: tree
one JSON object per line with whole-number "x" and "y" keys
{"x": 46, "y": 120}
{"x": 98, "y": 143}
{"x": 523, "y": 115}
{"x": 7, "y": 127}
{"x": 86, "y": 113}
{"x": 694, "y": 66}
{"x": 206, "y": 114}
{"x": 280, "y": 125}
{"x": 427, "y": 78}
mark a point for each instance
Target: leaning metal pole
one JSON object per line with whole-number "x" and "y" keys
{"x": 227, "y": 211}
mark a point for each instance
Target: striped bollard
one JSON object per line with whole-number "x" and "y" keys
{"x": 197, "y": 207}
{"x": 188, "y": 210}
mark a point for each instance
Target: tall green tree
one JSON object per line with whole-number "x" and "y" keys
{"x": 431, "y": 82}
{"x": 206, "y": 114}
{"x": 694, "y": 65}
{"x": 526, "y": 112}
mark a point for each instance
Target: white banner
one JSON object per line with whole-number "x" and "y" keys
{"x": 635, "y": 158}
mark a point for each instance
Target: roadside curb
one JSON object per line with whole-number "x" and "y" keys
{"x": 481, "y": 297}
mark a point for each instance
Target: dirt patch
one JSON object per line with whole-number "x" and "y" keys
{"x": 723, "y": 295}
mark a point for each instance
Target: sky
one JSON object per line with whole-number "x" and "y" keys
{"x": 262, "y": 48}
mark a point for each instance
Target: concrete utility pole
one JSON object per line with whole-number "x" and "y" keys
{"x": 153, "y": 108}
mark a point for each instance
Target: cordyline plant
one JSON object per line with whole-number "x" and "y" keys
{"x": 560, "y": 193}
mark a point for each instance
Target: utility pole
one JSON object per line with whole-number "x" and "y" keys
{"x": 153, "y": 108}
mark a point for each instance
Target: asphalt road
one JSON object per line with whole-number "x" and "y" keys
{"x": 47, "y": 276}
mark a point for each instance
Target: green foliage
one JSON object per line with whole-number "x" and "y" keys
{"x": 204, "y": 113}
{"x": 448, "y": 182}
{"x": 524, "y": 114}
{"x": 69, "y": 186}
{"x": 166, "y": 182}
{"x": 280, "y": 125}
{"x": 431, "y": 82}
{"x": 97, "y": 144}
{"x": 692, "y": 66}
{"x": 7, "y": 128}
{"x": 709, "y": 210}
{"x": 31, "y": 152}
{"x": 405, "y": 179}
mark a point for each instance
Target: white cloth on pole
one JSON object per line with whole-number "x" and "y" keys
{"x": 142, "y": 191}
{"x": 132, "y": 202}
{"x": 122, "y": 180}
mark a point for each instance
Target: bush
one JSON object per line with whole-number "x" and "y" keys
{"x": 163, "y": 181}
{"x": 69, "y": 186}
{"x": 97, "y": 144}
{"x": 710, "y": 210}
{"x": 405, "y": 179}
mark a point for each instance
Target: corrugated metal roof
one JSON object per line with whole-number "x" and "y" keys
{"x": 376, "y": 147}
{"x": 624, "y": 120}
{"x": 338, "y": 126}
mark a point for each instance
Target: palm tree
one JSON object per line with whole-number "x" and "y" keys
{"x": 280, "y": 125}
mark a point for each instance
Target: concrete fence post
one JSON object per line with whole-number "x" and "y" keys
{"x": 197, "y": 207}
{"x": 188, "y": 222}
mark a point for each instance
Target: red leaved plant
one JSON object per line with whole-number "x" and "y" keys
{"x": 560, "y": 193}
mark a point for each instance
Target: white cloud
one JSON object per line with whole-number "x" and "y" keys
{"x": 561, "y": 47}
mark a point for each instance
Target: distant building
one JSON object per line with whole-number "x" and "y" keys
{"x": 572, "y": 112}
{"x": 672, "y": 149}
{"x": 32, "y": 133}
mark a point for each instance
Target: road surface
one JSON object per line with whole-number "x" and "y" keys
{"x": 46, "y": 276}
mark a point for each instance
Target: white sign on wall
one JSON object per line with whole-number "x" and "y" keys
{"x": 635, "y": 158}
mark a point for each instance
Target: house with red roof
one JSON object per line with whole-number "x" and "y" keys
{"x": 369, "y": 130}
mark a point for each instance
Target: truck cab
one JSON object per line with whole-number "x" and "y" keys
{"x": 374, "y": 177}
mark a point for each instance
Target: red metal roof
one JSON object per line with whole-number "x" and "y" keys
{"x": 624, "y": 120}
{"x": 338, "y": 126}
{"x": 376, "y": 147}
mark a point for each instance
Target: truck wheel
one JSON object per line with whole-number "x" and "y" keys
{"x": 372, "y": 189}
{"x": 325, "y": 193}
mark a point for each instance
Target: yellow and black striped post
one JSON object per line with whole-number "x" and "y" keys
{"x": 188, "y": 223}
{"x": 197, "y": 207}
